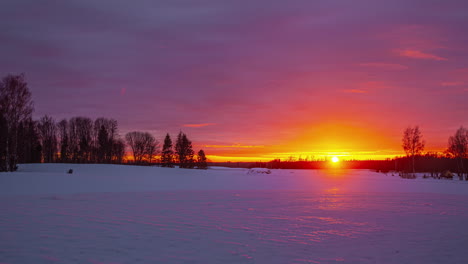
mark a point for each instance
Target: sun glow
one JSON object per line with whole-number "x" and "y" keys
{"x": 335, "y": 159}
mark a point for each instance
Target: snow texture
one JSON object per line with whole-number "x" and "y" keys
{"x": 129, "y": 214}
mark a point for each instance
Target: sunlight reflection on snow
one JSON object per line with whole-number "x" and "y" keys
{"x": 241, "y": 226}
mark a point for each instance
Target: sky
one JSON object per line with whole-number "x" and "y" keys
{"x": 249, "y": 80}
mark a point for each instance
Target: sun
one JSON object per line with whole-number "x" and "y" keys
{"x": 335, "y": 160}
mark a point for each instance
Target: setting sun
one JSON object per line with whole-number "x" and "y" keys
{"x": 335, "y": 159}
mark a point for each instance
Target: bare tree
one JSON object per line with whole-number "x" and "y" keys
{"x": 29, "y": 146}
{"x": 143, "y": 146}
{"x": 64, "y": 141}
{"x": 118, "y": 151}
{"x": 114, "y": 138}
{"x": 80, "y": 135}
{"x": 3, "y": 143}
{"x": 151, "y": 149}
{"x": 73, "y": 140}
{"x": 48, "y": 138}
{"x": 413, "y": 143}
{"x": 16, "y": 106}
{"x": 103, "y": 145}
{"x": 458, "y": 147}
{"x": 134, "y": 140}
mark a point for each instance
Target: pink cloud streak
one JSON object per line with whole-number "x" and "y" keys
{"x": 416, "y": 54}
{"x": 199, "y": 125}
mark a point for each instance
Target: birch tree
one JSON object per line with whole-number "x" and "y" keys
{"x": 413, "y": 143}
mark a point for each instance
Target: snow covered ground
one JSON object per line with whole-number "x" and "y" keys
{"x": 128, "y": 214}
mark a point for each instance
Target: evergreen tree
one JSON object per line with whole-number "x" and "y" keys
{"x": 184, "y": 151}
{"x": 180, "y": 150}
{"x": 189, "y": 161}
{"x": 201, "y": 160}
{"x": 104, "y": 136}
{"x": 167, "y": 153}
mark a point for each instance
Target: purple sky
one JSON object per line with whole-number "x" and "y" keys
{"x": 257, "y": 78}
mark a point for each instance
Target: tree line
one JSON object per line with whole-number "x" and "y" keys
{"x": 433, "y": 164}
{"x": 457, "y": 150}
{"x": 78, "y": 139}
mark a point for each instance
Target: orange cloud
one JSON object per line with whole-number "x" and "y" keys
{"x": 199, "y": 125}
{"x": 233, "y": 146}
{"x": 416, "y": 54}
{"x": 358, "y": 91}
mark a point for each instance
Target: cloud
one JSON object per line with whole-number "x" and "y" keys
{"x": 417, "y": 54}
{"x": 199, "y": 125}
{"x": 365, "y": 87}
{"x": 236, "y": 146}
{"x": 224, "y": 66}
{"x": 452, "y": 83}
{"x": 357, "y": 91}
{"x": 384, "y": 66}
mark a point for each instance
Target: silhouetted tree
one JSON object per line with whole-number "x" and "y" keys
{"x": 16, "y": 106}
{"x": 458, "y": 147}
{"x": 184, "y": 151}
{"x": 48, "y": 138}
{"x": 412, "y": 143}
{"x": 118, "y": 151}
{"x": 64, "y": 141}
{"x": 167, "y": 153}
{"x": 143, "y": 145}
{"x": 73, "y": 140}
{"x": 152, "y": 150}
{"x": 3, "y": 143}
{"x": 201, "y": 160}
{"x": 29, "y": 145}
{"x": 85, "y": 140}
{"x": 114, "y": 137}
{"x": 105, "y": 133}
{"x": 134, "y": 141}
{"x": 103, "y": 145}
{"x": 80, "y": 135}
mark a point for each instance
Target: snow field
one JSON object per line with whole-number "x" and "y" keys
{"x": 128, "y": 214}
